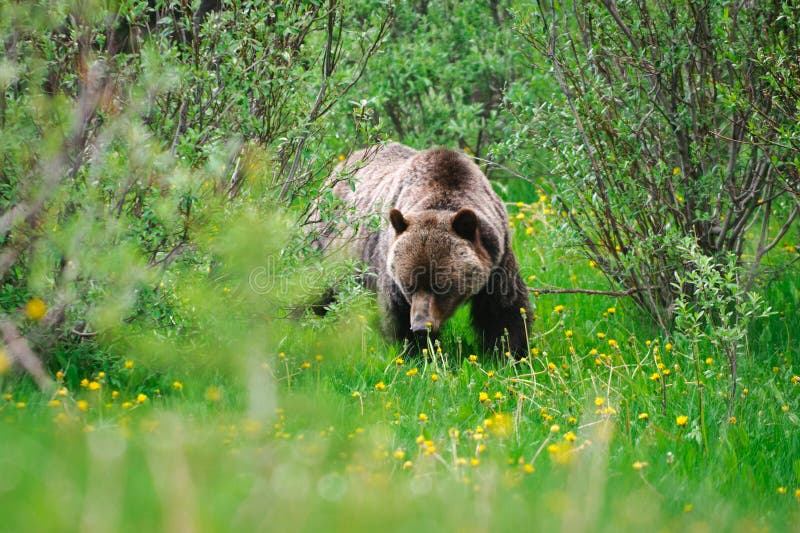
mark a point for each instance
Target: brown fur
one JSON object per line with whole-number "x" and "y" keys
{"x": 444, "y": 241}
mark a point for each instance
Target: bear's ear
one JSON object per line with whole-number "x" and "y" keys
{"x": 399, "y": 223}
{"x": 465, "y": 224}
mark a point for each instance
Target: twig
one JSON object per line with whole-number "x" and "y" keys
{"x": 616, "y": 294}
{"x": 21, "y": 353}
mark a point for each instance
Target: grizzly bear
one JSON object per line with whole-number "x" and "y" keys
{"x": 443, "y": 240}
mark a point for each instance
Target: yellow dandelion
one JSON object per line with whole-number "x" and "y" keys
{"x": 412, "y": 372}
{"x": 681, "y": 420}
{"x": 399, "y": 454}
{"x": 129, "y": 364}
{"x": 643, "y": 416}
{"x": 434, "y": 377}
{"x": 94, "y": 386}
{"x": 380, "y": 385}
{"x": 177, "y": 385}
{"x": 423, "y": 417}
{"x": 82, "y": 405}
{"x": 141, "y": 398}
{"x": 638, "y": 465}
{"x": 35, "y": 309}
{"x": 598, "y": 401}
{"x": 483, "y": 397}
{"x": 558, "y": 308}
{"x": 528, "y": 468}
{"x": 213, "y": 394}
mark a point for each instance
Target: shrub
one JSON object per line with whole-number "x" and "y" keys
{"x": 677, "y": 119}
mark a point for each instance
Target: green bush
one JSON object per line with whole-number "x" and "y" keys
{"x": 677, "y": 119}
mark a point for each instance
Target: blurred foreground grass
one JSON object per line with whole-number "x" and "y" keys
{"x": 598, "y": 431}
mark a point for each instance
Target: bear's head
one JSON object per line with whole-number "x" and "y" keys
{"x": 438, "y": 262}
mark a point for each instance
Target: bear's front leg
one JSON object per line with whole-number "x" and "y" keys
{"x": 498, "y": 307}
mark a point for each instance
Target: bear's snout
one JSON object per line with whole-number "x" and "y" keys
{"x": 423, "y": 313}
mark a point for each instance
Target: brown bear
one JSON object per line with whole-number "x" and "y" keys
{"x": 447, "y": 242}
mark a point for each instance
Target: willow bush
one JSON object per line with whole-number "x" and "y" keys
{"x": 145, "y": 148}
{"x": 674, "y": 119}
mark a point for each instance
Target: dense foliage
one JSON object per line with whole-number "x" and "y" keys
{"x": 681, "y": 119}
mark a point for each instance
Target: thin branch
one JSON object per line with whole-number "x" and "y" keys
{"x": 594, "y": 292}
{"x": 22, "y": 354}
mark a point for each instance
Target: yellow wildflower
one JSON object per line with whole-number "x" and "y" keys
{"x": 36, "y": 309}
{"x": 681, "y": 420}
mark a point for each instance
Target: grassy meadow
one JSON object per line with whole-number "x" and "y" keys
{"x": 599, "y": 430}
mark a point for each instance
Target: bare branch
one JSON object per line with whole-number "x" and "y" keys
{"x": 22, "y": 354}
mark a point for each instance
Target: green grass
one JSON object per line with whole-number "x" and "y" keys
{"x": 555, "y": 442}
